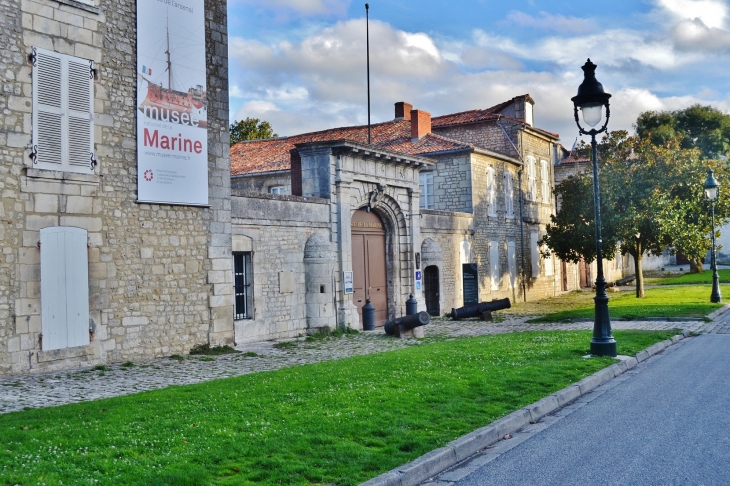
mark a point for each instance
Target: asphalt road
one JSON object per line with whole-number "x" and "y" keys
{"x": 667, "y": 424}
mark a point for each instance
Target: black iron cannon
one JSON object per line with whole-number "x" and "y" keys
{"x": 408, "y": 322}
{"x": 476, "y": 310}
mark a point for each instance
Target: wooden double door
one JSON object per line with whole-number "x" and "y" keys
{"x": 369, "y": 269}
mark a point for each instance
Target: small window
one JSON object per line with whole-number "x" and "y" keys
{"x": 63, "y": 112}
{"x": 426, "y": 186}
{"x": 281, "y": 190}
{"x": 243, "y": 285}
{"x": 491, "y": 192}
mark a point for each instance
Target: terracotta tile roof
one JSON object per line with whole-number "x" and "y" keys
{"x": 273, "y": 154}
{"x": 471, "y": 116}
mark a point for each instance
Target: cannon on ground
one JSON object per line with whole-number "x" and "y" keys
{"x": 407, "y": 322}
{"x": 476, "y": 310}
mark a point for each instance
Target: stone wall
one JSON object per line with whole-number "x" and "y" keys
{"x": 159, "y": 276}
{"x": 261, "y": 182}
{"x": 452, "y": 183}
{"x": 277, "y": 229}
{"x": 487, "y": 135}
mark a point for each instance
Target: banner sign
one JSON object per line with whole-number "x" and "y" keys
{"x": 172, "y": 121}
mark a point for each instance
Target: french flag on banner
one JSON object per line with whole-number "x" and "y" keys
{"x": 146, "y": 71}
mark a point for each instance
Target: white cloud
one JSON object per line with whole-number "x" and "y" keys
{"x": 557, "y": 23}
{"x": 712, "y": 13}
{"x": 319, "y": 82}
{"x": 696, "y": 36}
{"x": 304, "y": 7}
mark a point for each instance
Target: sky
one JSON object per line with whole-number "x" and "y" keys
{"x": 301, "y": 64}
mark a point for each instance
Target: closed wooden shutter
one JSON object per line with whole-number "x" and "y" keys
{"x": 64, "y": 287}
{"x": 63, "y": 111}
{"x": 535, "y": 254}
{"x": 508, "y": 195}
{"x": 512, "y": 264}
{"x": 491, "y": 192}
{"x": 48, "y": 110}
{"x": 494, "y": 264}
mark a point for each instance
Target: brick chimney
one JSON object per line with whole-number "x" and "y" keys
{"x": 420, "y": 124}
{"x": 403, "y": 110}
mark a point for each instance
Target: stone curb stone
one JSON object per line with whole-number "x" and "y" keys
{"x": 719, "y": 311}
{"x": 457, "y": 450}
{"x": 469, "y": 444}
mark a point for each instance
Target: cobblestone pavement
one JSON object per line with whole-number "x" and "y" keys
{"x": 58, "y": 388}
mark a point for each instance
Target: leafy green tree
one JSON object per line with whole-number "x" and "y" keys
{"x": 702, "y": 127}
{"x": 250, "y": 129}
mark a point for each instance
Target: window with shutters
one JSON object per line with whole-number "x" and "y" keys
{"x": 545, "y": 181}
{"x": 243, "y": 285}
{"x": 491, "y": 192}
{"x": 509, "y": 195}
{"x": 426, "y": 185}
{"x": 64, "y": 287}
{"x": 63, "y": 112}
{"x": 531, "y": 179}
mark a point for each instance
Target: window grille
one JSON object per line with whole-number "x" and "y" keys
{"x": 243, "y": 285}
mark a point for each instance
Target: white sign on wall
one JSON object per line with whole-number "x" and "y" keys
{"x": 172, "y": 121}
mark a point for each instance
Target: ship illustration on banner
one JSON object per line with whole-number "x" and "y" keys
{"x": 167, "y": 104}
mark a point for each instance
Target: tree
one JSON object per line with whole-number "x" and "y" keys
{"x": 702, "y": 127}
{"x": 250, "y": 129}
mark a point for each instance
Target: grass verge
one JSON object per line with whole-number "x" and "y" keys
{"x": 339, "y": 422}
{"x": 691, "y": 278}
{"x": 685, "y": 301}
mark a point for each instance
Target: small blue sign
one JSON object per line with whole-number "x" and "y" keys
{"x": 418, "y": 275}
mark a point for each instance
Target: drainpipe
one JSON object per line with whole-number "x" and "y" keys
{"x": 522, "y": 222}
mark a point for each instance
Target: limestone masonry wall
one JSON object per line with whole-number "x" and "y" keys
{"x": 159, "y": 276}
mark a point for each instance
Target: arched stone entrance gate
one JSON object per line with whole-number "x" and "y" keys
{"x": 370, "y": 274}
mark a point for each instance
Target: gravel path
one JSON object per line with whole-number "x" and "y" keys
{"x": 58, "y": 388}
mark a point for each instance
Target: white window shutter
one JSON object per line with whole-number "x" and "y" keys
{"x": 512, "y": 264}
{"x": 494, "y": 264}
{"x": 535, "y": 254}
{"x": 48, "y": 137}
{"x": 508, "y": 195}
{"x": 491, "y": 193}
{"x": 80, "y": 115}
{"x": 64, "y": 287}
{"x": 63, "y": 112}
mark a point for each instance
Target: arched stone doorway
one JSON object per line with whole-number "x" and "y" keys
{"x": 369, "y": 271}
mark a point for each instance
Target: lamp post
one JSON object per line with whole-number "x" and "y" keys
{"x": 711, "y": 192}
{"x": 590, "y": 101}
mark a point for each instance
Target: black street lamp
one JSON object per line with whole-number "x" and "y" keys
{"x": 711, "y": 192}
{"x": 590, "y": 100}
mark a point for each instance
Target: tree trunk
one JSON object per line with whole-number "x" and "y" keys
{"x": 639, "y": 271}
{"x": 696, "y": 265}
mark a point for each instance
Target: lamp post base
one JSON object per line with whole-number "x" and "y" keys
{"x": 603, "y": 348}
{"x": 716, "y": 296}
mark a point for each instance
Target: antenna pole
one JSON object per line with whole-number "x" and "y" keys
{"x": 367, "y": 34}
{"x": 169, "y": 61}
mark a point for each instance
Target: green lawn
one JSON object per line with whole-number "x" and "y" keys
{"x": 339, "y": 422}
{"x": 691, "y": 278}
{"x": 681, "y": 301}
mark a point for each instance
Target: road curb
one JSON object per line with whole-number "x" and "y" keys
{"x": 436, "y": 461}
{"x": 718, "y": 312}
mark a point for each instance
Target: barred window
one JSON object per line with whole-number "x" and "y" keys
{"x": 243, "y": 285}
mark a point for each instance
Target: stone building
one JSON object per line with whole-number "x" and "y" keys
{"x": 447, "y": 208}
{"x": 90, "y": 274}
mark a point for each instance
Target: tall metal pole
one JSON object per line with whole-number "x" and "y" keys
{"x": 602, "y": 343}
{"x": 367, "y": 34}
{"x": 716, "y": 296}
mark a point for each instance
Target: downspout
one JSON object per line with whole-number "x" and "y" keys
{"x": 522, "y": 223}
